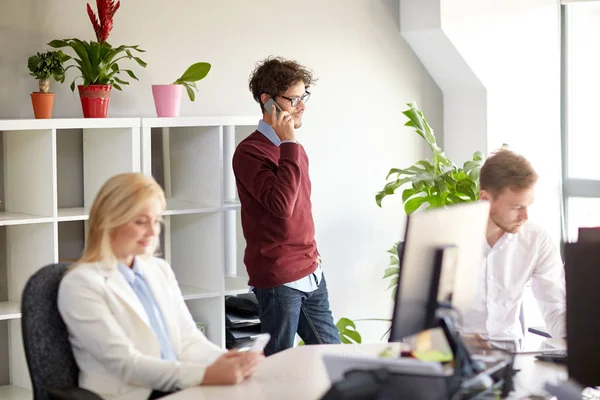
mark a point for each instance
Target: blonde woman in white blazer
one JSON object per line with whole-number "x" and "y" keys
{"x": 131, "y": 332}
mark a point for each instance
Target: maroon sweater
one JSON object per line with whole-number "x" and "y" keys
{"x": 274, "y": 190}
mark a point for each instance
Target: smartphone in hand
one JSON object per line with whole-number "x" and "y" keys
{"x": 269, "y": 107}
{"x": 256, "y": 344}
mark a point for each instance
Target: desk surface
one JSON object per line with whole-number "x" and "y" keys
{"x": 299, "y": 374}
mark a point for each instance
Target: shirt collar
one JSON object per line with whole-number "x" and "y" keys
{"x": 269, "y": 132}
{"x": 129, "y": 273}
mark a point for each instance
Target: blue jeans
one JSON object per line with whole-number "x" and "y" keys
{"x": 283, "y": 311}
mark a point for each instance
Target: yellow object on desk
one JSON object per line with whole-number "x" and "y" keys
{"x": 433, "y": 355}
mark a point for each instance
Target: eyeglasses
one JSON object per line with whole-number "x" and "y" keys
{"x": 294, "y": 101}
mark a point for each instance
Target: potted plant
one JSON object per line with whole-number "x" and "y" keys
{"x": 44, "y": 66}
{"x": 431, "y": 183}
{"x": 98, "y": 62}
{"x": 167, "y": 98}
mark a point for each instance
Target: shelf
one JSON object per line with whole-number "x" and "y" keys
{"x": 232, "y": 205}
{"x": 191, "y": 293}
{"x": 72, "y": 214}
{"x": 67, "y": 123}
{"x": 199, "y": 121}
{"x": 181, "y": 207}
{"x": 8, "y": 218}
{"x": 9, "y": 310}
{"x": 15, "y": 393}
{"x": 236, "y": 285}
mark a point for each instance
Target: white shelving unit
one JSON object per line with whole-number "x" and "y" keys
{"x": 51, "y": 171}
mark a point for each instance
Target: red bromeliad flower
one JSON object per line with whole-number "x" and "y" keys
{"x": 106, "y": 11}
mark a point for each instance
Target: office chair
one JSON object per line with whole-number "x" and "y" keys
{"x": 52, "y": 367}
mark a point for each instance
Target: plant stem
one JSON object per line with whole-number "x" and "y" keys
{"x": 44, "y": 85}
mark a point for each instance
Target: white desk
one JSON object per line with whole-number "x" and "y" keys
{"x": 299, "y": 374}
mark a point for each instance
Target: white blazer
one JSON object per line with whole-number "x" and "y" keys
{"x": 114, "y": 346}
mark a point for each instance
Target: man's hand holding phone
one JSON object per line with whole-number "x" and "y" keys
{"x": 281, "y": 121}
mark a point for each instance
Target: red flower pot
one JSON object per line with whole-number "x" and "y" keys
{"x": 94, "y": 100}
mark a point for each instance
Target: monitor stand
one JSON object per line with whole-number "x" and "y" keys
{"x": 465, "y": 367}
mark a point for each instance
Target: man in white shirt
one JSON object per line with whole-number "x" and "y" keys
{"x": 517, "y": 253}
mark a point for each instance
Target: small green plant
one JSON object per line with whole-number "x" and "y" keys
{"x": 193, "y": 74}
{"x": 431, "y": 183}
{"x": 44, "y": 66}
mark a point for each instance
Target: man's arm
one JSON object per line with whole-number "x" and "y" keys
{"x": 548, "y": 286}
{"x": 276, "y": 191}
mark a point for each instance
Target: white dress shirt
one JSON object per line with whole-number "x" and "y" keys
{"x": 517, "y": 260}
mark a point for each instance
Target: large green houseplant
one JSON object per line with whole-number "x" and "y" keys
{"x": 431, "y": 183}
{"x": 99, "y": 62}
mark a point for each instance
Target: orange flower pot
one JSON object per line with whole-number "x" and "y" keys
{"x": 42, "y": 104}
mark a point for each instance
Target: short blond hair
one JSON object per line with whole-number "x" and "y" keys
{"x": 506, "y": 169}
{"x": 117, "y": 203}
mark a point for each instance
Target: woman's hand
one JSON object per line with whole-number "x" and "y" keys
{"x": 232, "y": 368}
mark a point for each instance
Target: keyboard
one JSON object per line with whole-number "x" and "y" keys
{"x": 557, "y": 357}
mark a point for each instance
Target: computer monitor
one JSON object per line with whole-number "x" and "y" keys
{"x": 588, "y": 234}
{"x": 440, "y": 260}
{"x": 582, "y": 275}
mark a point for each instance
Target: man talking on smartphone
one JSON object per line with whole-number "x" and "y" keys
{"x": 271, "y": 172}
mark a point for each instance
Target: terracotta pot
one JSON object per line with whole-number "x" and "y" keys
{"x": 42, "y": 104}
{"x": 94, "y": 100}
{"x": 167, "y": 99}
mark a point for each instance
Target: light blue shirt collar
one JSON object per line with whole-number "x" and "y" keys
{"x": 269, "y": 132}
{"x": 129, "y": 273}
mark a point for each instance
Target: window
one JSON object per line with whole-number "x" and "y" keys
{"x": 581, "y": 112}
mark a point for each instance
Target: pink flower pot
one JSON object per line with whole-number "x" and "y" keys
{"x": 167, "y": 99}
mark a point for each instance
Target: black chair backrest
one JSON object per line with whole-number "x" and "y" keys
{"x": 45, "y": 338}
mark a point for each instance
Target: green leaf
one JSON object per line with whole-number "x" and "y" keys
{"x": 122, "y": 82}
{"x": 116, "y": 86}
{"x": 140, "y": 62}
{"x": 393, "y": 260}
{"x": 131, "y": 74}
{"x": 413, "y": 204}
{"x": 391, "y": 271}
{"x": 348, "y": 333}
{"x": 194, "y": 73}
{"x": 394, "y": 249}
{"x": 190, "y": 92}
{"x": 408, "y": 193}
{"x": 393, "y": 282}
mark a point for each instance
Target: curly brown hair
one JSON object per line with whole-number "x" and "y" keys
{"x": 506, "y": 169}
{"x": 274, "y": 75}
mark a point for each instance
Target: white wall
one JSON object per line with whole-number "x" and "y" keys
{"x": 353, "y": 126}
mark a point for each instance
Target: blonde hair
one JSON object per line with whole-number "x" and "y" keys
{"x": 117, "y": 203}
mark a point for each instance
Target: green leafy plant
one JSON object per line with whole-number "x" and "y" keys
{"x": 347, "y": 330}
{"x": 193, "y": 74}
{"x": 431, "y": 183}
{"x": 44, "y": 66}
{"x": 98, "y": 62}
